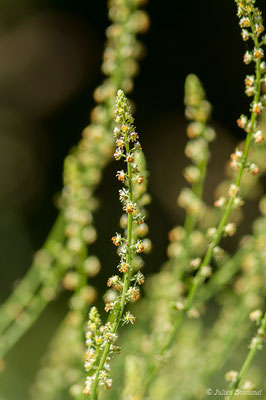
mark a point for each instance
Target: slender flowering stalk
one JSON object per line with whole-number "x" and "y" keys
{"x": 61, "y": 372}
{"x": 250, "y": 17}
{"x": 251, "y": 128}
{"x": 197, "y": 111}
{"x": 65, "y": 370}
{"x": 83, "y": 168}
{"x": 101, "y": 338}
{"x": 249, "y": 294}
{"x": 73, "y": 231}
{"x": 25, "y": 290}
{"x": 182, "y": 243}
{"x": 256, "y": 344}
{"x": 232, "y": 326}
{"x": 50, "y": 270}
{"x": 248, "y": 248}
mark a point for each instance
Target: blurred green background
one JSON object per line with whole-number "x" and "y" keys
{"x": 50, "y": 57}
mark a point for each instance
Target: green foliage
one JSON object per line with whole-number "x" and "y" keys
{"x": 194, "y": 315}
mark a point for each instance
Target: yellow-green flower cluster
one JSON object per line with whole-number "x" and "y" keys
{"x": 83, "y": 168}
{"x": 101, "y": 338}
{"x": 97, "y": 336}
{"x": 66, "y": 246}
{"x": 197, "y": 111}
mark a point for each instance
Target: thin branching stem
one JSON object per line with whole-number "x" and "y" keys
{"x": 119, "y": 310}
{"x": 254, "y": 347}
{"x": 199, "y": 278}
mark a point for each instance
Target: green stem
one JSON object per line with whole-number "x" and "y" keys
{"x": 215, "y": 358}
{"x": 191, "y": 220}
{"x": 119, "y": 310}
{"x": 254, "y": 348}
{"x": 197, "y": 189}
{"x": 218, "y": 345}
{"x": 17, "y": 329}
{"x": 221, "y": 277}
{"x": 25, "y": 291}
{"x": 30, "y": 314}
{"x": 220, "y": 230}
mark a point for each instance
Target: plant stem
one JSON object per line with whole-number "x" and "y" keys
{"x": 253, "y": 350}
{"x": 119, "y": 310}
{"x": 25, "y": 291}
{"x": 197, "y": 189}
{"x": 191, "y": 219}
{"x": 221, "y": 277}
{"x": 17, "y": 329}
{"x": 198, "y": 279}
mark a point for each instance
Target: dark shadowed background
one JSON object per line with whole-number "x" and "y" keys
{"x": 50, "y": 57}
